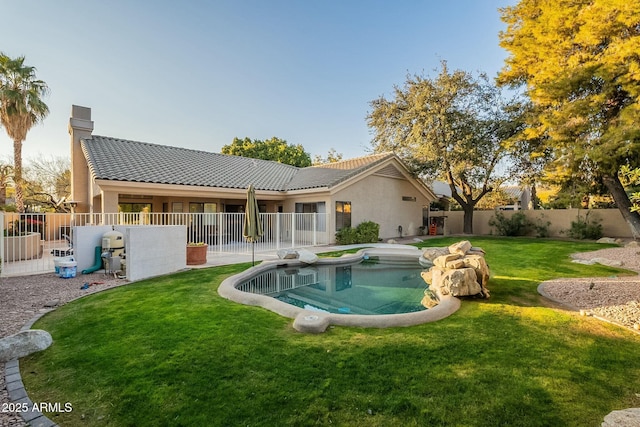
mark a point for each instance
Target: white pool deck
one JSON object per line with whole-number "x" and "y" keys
{"x": 317, "y": 322}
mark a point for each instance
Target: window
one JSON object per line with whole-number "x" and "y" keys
{"x": 203, "y": 207}
{"x": 306, "y": 222}
{"x": 134, "y": 207}
{"x": 343, "y": 215}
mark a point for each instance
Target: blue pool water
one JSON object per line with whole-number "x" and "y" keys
{"x": 365, "y": 287}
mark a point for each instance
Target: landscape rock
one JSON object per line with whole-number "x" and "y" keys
{"x": 480, "y": 266}
{"x": 623, "y": 418}
{"x": 459, "y": 270}
{"x": 287, "y": 254}
{"x": 433, "y": 253}
{"x": 307, "y": 257}
{"x": 23, "y": 344}
{"x": 632, "y": 244}
{"x": 442, "y": 260}
{"x": 609, "y": 262}
{"x": 459, "y": 283}
{"x": 606, "y": 240}
{"x": 461, "y": 248}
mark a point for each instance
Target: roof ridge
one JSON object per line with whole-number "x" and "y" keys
{"x": 184, "y": 148}
{"x": 356, "y": 159}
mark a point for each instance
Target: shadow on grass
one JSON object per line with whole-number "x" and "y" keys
{"x": 170, "y": 351}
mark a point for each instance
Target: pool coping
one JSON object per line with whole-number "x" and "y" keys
{"x": 310, "y": 321}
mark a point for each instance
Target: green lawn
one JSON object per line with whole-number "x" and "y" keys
{"x": 169, "y": 351}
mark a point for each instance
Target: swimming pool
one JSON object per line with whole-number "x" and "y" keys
{"x": 308, "y": 293}
{"x": 366, "y": 286}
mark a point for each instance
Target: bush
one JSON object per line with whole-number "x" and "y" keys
{"x": 365, "y": 232}
{"x": 346, "y": 236}
{"x": 585, "y": 229}
{"x": 517, "y": 225}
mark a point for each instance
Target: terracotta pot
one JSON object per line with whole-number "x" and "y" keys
{"x": 197, "y": 254}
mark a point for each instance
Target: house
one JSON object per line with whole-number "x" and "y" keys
{"x": 111, "y": 175}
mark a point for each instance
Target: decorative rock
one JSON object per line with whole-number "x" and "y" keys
{"x": 460, "y": 283}
{"x": 23, "y": 344}
{"x": 392, "y": 241}
{"x": 623, "y": 418}
{"x": 287, "y": 254}
{"x": 429, "y": 300}
{"x": 460, "y": 271}
{"x": 455, "y": 264}
{"x": 609, "y": 262}
{"x": 442, "y": 260}
{"x": 632, "y": 244}
{"x": 424, "y": 262}
{"x": 433, "y": 253}
{"x": 479, "y": 264}
{"x": 52, "y": 303}
{"x": 307, "y": 257}
{"x": 606, "y": 240}
{"x": 461, "y": 248}
{"x": 427, "y": 276}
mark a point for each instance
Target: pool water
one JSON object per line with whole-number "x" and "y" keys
{"x": 365, "y": 287}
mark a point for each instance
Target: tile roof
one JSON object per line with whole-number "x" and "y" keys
{"x": 330, "y": 174}
{"x": 123, "y": 160}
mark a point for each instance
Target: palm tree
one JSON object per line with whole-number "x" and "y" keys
{"x": 21, "y": 107}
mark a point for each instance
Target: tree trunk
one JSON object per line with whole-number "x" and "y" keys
{"x": 17, "y": 175}
{"x": 468, "y": 219}
{"x": 621, "y": 198}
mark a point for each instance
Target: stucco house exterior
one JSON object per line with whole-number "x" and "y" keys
{"x": 111, "y": 175}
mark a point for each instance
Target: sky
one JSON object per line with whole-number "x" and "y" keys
{"x": 196, "y": 74}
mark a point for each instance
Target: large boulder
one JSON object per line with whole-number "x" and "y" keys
{"x": 461, "y": 248}
{"x": 458, "y": 270}
{"x": 433, "y": 253}
{"x": 458, "y": 283}
{"x": 23, "y": 344}
{"x": 442, "y": 260}
{"x": 479, "y": 264}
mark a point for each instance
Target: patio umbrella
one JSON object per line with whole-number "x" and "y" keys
{"x": 252, "y": 230}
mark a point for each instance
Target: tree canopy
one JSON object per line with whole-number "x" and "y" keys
{"x": 275, "y": 149}
{"x": 579, "y": 63}
{"x": 451, "y": 127}
{"x": 21, "y": 108}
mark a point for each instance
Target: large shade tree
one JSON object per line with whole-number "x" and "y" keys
{"x": 275, "y": 149}
{"x": 579, "y": 64}
{"x": 21, "y": 107}
{"x": 451, "y": 127}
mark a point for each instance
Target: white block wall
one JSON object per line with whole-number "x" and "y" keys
{"x": 154, "y": 251}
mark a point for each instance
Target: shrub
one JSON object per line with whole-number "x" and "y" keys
{"x": 346, "y": 236}
{"x": 365, "y": 232}
{"x": 541, "y": 227}
{"x": 585, "y": 229}
{"x": 517, "y": 225}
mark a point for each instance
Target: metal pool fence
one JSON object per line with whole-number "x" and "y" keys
{"x": 31, "y": 241}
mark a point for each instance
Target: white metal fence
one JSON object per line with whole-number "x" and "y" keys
{"x": 30, "y": 242}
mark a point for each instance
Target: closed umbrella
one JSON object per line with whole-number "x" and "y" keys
{"x": 252, "y": 230}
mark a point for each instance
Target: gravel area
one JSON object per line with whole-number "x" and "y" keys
{"x": 22, "y": 298}
{"x": 616, "y": 299}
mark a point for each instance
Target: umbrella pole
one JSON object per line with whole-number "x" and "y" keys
{"x": 253, "y": 254}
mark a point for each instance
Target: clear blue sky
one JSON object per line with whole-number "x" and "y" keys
{"x": 196, "y": 74}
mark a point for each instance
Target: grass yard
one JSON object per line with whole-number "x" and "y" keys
{"x": 171, "y": 352}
